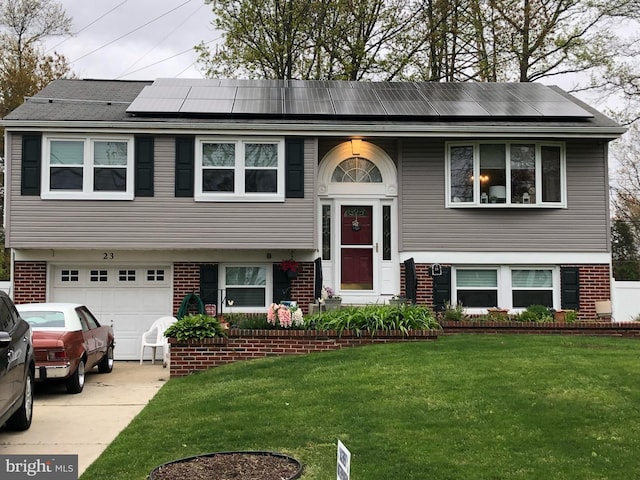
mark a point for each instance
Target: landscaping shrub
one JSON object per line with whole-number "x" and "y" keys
{"x": 373, "y": 318}
{"x": 535, "y": 313}
{"x": 197, "y": 326}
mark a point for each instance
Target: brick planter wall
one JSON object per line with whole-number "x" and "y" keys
{"x": 196, "y": 355}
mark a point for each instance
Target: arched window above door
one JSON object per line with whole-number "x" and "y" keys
{"x": 356, "y": 170}
{"x": 368, "y": 171}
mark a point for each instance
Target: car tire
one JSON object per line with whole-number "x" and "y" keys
{"x": 21, "y": 419}
{"x": 106, "y": 364}
{"x": 75, "y": 383}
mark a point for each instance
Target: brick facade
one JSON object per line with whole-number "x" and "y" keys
{"x": 29, "y": 282}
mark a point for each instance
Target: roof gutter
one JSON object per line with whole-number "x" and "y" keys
{"x": 320, "y": 130}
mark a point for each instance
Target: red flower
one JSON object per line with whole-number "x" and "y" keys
{"x": 289, "y": 265}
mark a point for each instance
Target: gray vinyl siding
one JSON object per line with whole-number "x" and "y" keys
{"x": 161, "y": 221}
{"x": 426, "y": 225}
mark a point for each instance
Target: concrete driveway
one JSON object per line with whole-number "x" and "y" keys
{"x": 85, "y": 424}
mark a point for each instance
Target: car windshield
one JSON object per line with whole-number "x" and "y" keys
{"x": 47, "y": 319}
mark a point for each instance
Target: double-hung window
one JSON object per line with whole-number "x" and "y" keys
{"x": 245, "y": 286}
{"x": 98, "y": 168}
{"x": 490, "y": 174}
{"x": 477, "y": 287}
{"x": 532, "y": 287}
{"x": 240, "y": 170}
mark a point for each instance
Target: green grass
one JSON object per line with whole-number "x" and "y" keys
{"x": 462, "y": 407}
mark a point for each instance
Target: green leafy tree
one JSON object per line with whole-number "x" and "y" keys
{"x": 24, "y": 68}
{"x": 626, "y": 261}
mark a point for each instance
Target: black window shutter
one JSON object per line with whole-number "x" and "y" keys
{"x": 570, "y": 288}
{"x": 294, "y": 167}
{"x": 209, "y": 284}
{"x": 441, "y": 289}
{"x": 31, "y": 164}
{"x": 144, "y": 166}
{"x": 281, "y": 285}
{"x": 185, "y": 164}
{"x": 317, "y": 280}
{"x": 410, "y": 280}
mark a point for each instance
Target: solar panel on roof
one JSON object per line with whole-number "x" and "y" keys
{"x": 202, "y": 105}
{"x": 420, "y": 108}
{"x": 259, "y": 93}
{"x": 459, "y": 109}
{"x": 359, "y": 108}
{"x": 352, "y": 94}
{"x": 164, "y": 92}
{"x": 308, "y": 107}
{"x": 333, "y": 97}
{"x": 156, "y": 105}
{"x": 510, "y": 109}
{"x": 261, "y": 106}
{"x": 212, "y": 93}
{"x": 559, "y": 109}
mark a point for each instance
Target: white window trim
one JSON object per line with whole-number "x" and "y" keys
{"x": 476, "y": 203}
{"x": 505, "y": 298}
{"x": 268, "y": 288}
{"x": 88, "y": 166}
{"x": 239, "y": 194}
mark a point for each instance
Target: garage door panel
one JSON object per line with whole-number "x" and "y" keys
{"x": 127, "y": 298}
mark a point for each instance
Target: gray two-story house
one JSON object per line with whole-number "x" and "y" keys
{"x": 128, "y": 196}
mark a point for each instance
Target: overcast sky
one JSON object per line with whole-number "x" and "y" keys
{"x": 146, "y": 39}
{"x": 135, "y": 39}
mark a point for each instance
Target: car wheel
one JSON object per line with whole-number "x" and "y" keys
{"x": 21, "y": 419}
{"x": 75, "y": 383}
{"x": 106, "y": 364}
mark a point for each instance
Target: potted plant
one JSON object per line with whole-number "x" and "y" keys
{"x": 498, "y": 314}
{"x": 290, "y": 267}
{"x": 399, "y": 300}
{"x": 330, "y": 300}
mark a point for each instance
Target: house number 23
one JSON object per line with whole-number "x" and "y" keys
{"x": 108, "y": 256}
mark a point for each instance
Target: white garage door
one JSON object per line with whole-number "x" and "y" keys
{"x": 128, "y": 298}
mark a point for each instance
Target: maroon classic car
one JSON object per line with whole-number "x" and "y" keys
{"x": 67, "y": 341}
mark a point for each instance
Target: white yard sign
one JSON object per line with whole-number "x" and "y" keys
{"x": 344, "y": 462}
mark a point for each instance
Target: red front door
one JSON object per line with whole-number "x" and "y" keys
{"x": 356, "y": 250}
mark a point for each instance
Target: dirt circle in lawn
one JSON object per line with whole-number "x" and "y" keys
{"x": 230, "y": 466}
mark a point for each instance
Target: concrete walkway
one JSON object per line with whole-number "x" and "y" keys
{"x": 86, "y": 423}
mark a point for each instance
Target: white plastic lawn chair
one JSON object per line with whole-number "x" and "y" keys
{"x": 154, "y": 338}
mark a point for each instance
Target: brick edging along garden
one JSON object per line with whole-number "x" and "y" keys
{"x": 191, "y": 356}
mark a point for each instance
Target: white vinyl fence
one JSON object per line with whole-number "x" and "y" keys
{"x": 625, "y": 301}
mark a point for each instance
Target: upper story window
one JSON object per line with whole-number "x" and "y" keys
{"x": 98, "y": 168}
{"x": 505, "y": 173}
{"x": 241, "y": 170}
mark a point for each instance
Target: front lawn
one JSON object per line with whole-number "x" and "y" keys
{"x": 463, "y": 407}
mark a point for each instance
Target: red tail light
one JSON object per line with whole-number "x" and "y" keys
{"x": 53, "y": 355}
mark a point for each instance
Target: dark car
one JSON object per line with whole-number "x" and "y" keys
{"x": 68, "y": 341}
{"x": 17, "y": 367}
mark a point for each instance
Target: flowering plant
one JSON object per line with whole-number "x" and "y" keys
{"x": 289, "y": 265}
{"x": 328, "y": 292}
{"x": 285, "y": 315}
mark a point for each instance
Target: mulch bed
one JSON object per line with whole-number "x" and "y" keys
{"x": 230, "y": 466}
